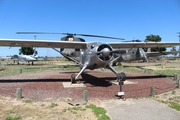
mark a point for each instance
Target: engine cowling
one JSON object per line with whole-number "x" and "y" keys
{"x": 104, "y": 52}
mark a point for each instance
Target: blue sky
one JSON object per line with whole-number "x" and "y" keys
{"x": 119, "y": 18}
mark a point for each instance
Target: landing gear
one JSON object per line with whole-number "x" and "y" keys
{"x": 73, "y": 80}
{"x": 121, "y": 77}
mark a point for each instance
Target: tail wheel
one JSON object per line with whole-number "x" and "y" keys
{"x": 73, "y": 80}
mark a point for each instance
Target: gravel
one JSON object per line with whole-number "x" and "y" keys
{"x": 48, "y": 84}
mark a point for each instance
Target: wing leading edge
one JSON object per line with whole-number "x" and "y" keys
{"x": 80, "y": 45}
{"x": 143, "y": 44}
{"x": 42, "y": 43}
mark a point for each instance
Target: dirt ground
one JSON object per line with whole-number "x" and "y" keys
{"x": 46, "y": 110}
{"x": 44, "y": 96}
{"x": 36, "y": 110}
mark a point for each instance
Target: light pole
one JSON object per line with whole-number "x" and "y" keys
{"x": 179, "y": 41}
{"x": 35, "y": 37}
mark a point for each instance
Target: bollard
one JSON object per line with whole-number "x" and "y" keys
{"x": 85, "y": 95}
{"x": 179, "y": 83}
{"x": 152, "y": 91}
{"x": 40, "y": 69}
{"x": 62, "y": 67}
{"x": 175, "y": 76}
{"x": 122, "y": 69}
{"x": 20, "y": 71}
{"x": 18, "y": 93}
{"x": 146, "y": 70}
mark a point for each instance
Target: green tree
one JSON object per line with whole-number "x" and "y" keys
{"x": 26, "y": 51}
{"x": 154, "y": 38}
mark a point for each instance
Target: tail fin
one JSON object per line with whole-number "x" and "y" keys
{"x": 35, "y": 54}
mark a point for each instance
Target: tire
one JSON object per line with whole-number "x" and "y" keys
{"x": 73, "y": 80}
{"x": 122, "y": 76}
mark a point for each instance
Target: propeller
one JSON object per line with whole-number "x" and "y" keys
{"x": 71, "y": 34}
{"x": 104, "y": 52}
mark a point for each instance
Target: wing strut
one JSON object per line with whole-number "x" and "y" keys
{"x": 77, "y": 62}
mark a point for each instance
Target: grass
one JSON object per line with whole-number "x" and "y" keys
{"x": 13, "y": 70}
{"x": 13, "y": 118}
{"x": 53, "y": 105}
{"x": 164, "y": 72}
{"x": 99, "y": 112}
{"x": 171, "y": 99}
{"x": 78, "y": 108}
{"x": 174, "y": 105}
{"x": 173, "y": 92}
{"x": 27, "y": 101}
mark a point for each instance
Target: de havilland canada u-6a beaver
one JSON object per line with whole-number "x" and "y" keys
{"x": 88, "y": 55}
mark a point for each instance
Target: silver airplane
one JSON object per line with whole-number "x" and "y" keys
{"x": 91, "y": 55}
{"x": 2, "y": 58}
{"x": 27, "y": 58}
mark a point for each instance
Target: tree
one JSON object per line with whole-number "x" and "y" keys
{"x": 26, "y": 51}
{"x": 154, "y": 38}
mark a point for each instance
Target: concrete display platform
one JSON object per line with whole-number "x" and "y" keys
{"x": 69, "y": 85}
{"x": 125, "y": 82}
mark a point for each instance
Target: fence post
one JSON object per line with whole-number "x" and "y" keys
{"x": 179, "y": 83}
{"x": 152, "y": 91}
{"x": 122, "y": 68}
{"x": 145, "y": 70}
{"x": 175, "y": 76}
{"x": 85, "y": 95}
{"x": 40, "y": 69}
{"x": 20, "y": 71}
{"x": 62, "y": 67}
{"x": 18, "y": 93}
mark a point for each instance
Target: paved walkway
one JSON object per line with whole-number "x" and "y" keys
{"x": 142, "y": 109}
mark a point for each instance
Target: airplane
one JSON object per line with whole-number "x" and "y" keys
{"x": 27, "y": 58}
{"x": 2, "y": 58}
{"x": 134, "y": 54}
{"x": 91, "y": 55}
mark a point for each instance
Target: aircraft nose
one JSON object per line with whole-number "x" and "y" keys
{"x": 105, "y": 52}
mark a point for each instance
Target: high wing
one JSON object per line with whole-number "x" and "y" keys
{"x": 42, "y": 43}
{"x": 143, "y": 44}
{"x": 81, "y": 45}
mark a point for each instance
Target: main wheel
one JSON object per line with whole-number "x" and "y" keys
{"x": 122, "y": 76}
{"x": 73, "y": 80}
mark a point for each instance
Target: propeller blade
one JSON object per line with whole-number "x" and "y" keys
{"x": 86, "y": 35}
{"x": 42, "y": 33}
{"x": 132, "y": 41}
{"x": 118, "y": 51}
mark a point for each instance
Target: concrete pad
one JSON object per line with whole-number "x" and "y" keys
{"x": 69, "y": 85}
{"x": 125, "y": 82}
